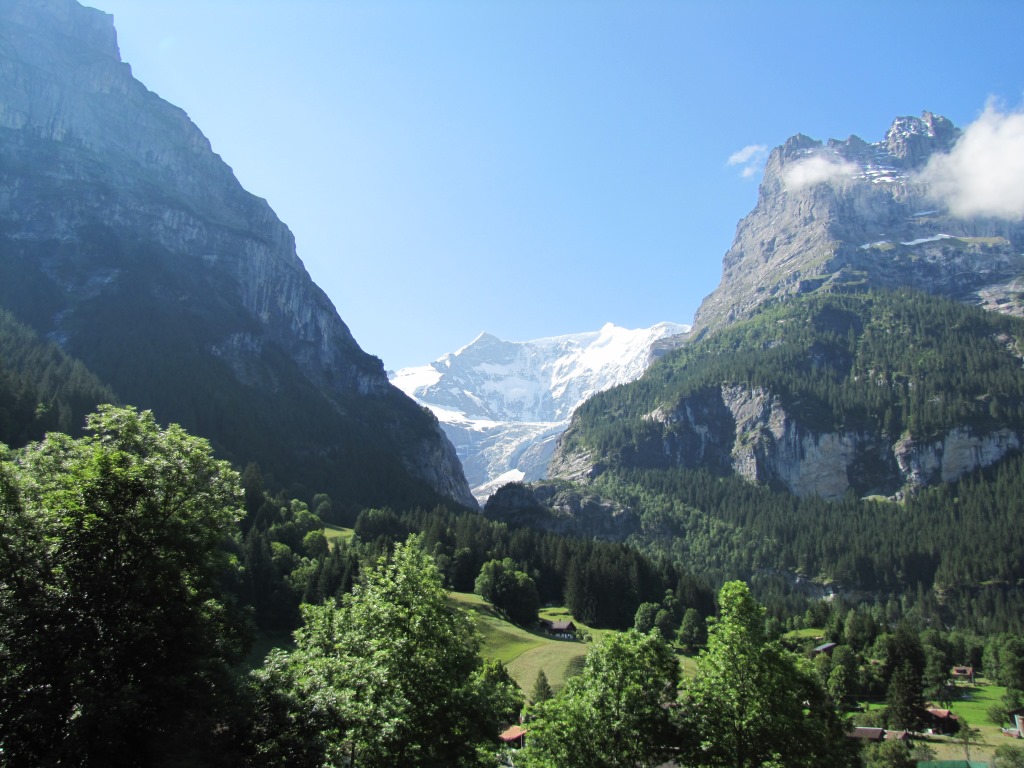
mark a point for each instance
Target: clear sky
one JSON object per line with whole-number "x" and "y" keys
{"x": 538, "y": 168}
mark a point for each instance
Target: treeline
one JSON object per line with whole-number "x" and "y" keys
{"x": 41, "y": 388}
{"x": 885, "y": 362}
{"x": 286, "y": 560}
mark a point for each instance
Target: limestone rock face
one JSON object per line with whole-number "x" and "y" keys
{"x": 108, "y": 194}
{"x": 746, "y": 431}
{"x": 850, "y": 213}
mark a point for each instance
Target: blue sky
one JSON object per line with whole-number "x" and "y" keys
{"x": 538, "y": 168}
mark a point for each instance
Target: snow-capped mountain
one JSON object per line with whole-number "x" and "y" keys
{"x": 504, "y": 403}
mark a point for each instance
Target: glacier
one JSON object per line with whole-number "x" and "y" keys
{"x": 504, "y": 404}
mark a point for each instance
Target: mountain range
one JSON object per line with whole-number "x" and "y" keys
{"x": 504, "y": 404}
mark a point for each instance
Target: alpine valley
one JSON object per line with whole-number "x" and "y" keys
{"x": 295, "y": 570}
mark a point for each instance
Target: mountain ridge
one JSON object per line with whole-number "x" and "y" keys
{"x": 851, "y": 214}
{"x": 127, "y": 240}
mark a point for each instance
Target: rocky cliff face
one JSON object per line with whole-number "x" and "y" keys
{"x": 562, "y": 510}
{"x": 111, "y": 196}
{"x": 748, "y": 431}
{"x": 850, "y": 213}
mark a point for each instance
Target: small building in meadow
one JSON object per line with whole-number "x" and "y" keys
{"x": 941, "y": 721}
{"x": 965, "y": 674}
{"x": 563, "y": 629}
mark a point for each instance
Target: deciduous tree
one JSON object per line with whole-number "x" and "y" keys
{"x": 616, "y": 713}
{"x": 752, "y": 703}
{"x": 115, "y": 630}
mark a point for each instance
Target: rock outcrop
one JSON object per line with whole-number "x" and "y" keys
{"x": 747, "y": 431}
{"x": 561, "y": 509}
{"x": 112, "y": 198}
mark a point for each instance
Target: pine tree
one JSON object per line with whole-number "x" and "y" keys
{"x": 541, "y": 689}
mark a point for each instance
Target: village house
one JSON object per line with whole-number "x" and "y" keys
{"x": 962, "y": 673}
{"x": 562, "y": 629}
{"x": 514, "y": 736}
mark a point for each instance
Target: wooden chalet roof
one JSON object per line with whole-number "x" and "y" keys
{"x": 512, "y": 734}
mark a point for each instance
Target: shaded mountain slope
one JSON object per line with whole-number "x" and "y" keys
{"x": 124, "y": 238}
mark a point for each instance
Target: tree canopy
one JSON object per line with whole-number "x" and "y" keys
{"x": 616, "y": 713}
{"x": 393, "y": 676}
{"x": 752, "y": 703}
{"x": 116, "y": 630}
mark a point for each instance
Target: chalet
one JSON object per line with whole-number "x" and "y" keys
{"x": 563, "y": 629}
{"x": 865, "y": 733}
{"x": 941, "y": 721}
{"x": 825, "y": 648}
{"x": 1017, "y": 718}
{"x": 514, "y": 736}
{"x": 962, "y": 673}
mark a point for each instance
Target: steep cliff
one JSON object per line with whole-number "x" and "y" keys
{"x": 849, "y": 214}
{"x": 125, "y": 238}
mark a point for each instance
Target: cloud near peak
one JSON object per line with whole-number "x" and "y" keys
{"x": 751, "y": 157}
{"x": 983, "y": 175}
{"x": 816, "y": 169}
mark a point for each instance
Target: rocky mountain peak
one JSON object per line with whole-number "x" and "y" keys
{"x": 86, "y": 29}
{"x": 848, "y": 212}
{"x": 912, "y": 140}
{"x": 504, "y": 403}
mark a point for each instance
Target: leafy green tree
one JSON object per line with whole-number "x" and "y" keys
{"x": 395, "y": 672}
{"x": 115, "y": 627}
{"x": 616, "y": 712}
{"x": 510, "y": 590}
{"x": 693, "y": 632}
{"x": 646, "y": 613}
{"x": 752, "y": 702}
{"x": 889, "y": 754}
{"x": 541, "y": 688}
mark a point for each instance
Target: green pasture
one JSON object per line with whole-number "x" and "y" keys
{"x": 335, "y": 533}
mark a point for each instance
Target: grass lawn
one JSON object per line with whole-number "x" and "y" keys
{"x": 334, "y": 532}
{"x": 972, "y": 705}
{"x": 523, "y": 651}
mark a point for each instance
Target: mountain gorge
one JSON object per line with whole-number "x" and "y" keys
{"x": 505, "y": 403}
{"x": 129, "y": 242}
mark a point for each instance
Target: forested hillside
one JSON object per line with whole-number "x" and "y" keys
{"x": 41, "y": 388}
{"x": 899, "y": 366}
{"x": 891, "y": 362}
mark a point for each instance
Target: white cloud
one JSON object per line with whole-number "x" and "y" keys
{"x": 983, "y": 175}
{"x": 815, "y": 170}
{"x": 751, "y": 157}
{"x": 748, "y": 153}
